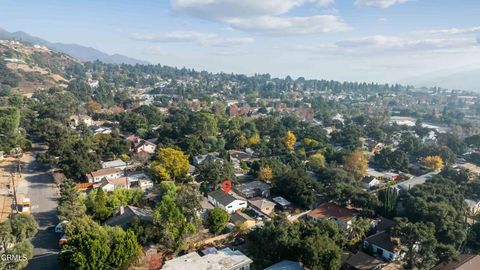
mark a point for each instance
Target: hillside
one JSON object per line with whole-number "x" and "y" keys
{"x": 33, "y": 67}
{"x": 80, "y": 52}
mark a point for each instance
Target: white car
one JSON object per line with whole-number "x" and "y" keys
{"x": 59, "y": 227}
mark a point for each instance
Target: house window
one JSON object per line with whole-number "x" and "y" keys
{"x": 380, "y": 251}
{"x": 229, "y": 206}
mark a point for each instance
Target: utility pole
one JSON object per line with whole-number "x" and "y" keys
{"x": 15, "y": 203}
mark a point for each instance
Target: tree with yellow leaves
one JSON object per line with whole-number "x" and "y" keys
{"x": 159, "y": 172}
{"x": 434, "y": 163}
{"x": 289, "y": 140}
{"x": 174, "y": 162}
{"x": 254, "y": 140}
{"x": 356, "y": 163}
{"x": 265, "y": 174}
{"x": 316, "y": 162}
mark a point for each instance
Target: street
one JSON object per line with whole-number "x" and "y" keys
{"x": 43, "y": 195}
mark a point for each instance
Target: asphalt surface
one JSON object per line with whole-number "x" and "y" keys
{"x": 43, "y": 196}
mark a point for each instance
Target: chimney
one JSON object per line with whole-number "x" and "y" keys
{"x": 122, "y": 210}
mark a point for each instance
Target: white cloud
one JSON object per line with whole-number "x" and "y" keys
{"x": 290, "y": 25}
{"x": 206, "y": 39}
{"x": 398, "y": 43}
{"x": 452, "y": 31}
{"x": 391, "y": 45}
{"x": 378, "y": 3}
{"x": 265, "y": 16}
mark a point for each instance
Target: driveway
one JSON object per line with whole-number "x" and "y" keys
{"x": 43, "y": 196}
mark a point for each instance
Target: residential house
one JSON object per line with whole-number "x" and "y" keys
{"x": 145, "y": 146}
{"x": 470, "y": 167}
{"x": 97, "y": 176}
{"x": 197, "y": 160}
{"x": 341, "y": 215}
{"x": 84, "y": 187}
{"x": 286, "y": 265}
{"x": 281, "y": 202}
{"x": 206, "y": 207}
{"x": 363, "y": 261}
{"x": 109, "y": 184}
{"x": 127, "y": 214}
{"x": 370, "y": 182}
{"x": 384, "y": 245}
{"x": 241, "y": 219}
{"x": 224, "y": 259}
{"x": 117, "y": 163}
{"x": 226, "y": 201}
{"x": 75, "y": 120}
{"x": 237, "y": 157}
{"x": 262, "y": 206}
{"x": 465, "y": 262}
{"x": 406, "y": 185}
{"x": 253, "y": 189}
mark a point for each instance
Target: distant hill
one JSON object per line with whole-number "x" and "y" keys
{"x": 80, "y": 52}
{"x": 466, "y": 79}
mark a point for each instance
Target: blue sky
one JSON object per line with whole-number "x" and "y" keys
{"x": 360, "y": 40}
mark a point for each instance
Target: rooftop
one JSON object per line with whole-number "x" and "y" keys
{"x": 406, "y": 185}
{"x": 330, "y": 210}
{"x": 383, "y": 240}
{"x": 286, "y": 265}
{"x": 224, "y": 259}
{"x": 363, "y": 261}
{"x": 281, "y": 201}
{"x": 465, "y": 262}
{"x": 223, "y": 198}
{"x": 113, "y": 164}
{"x": 106, "y": 171}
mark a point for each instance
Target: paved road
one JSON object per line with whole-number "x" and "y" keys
{"x": 43, "y": 196}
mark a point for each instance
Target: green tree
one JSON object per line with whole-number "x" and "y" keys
{"x": 297, "y": 186}
{"x": 217, "y": 220}
{"x": 70, "y": 206}
{"x": 23, "y": 226}
{"x": 388, "y": 202}
{"x": 100, "y": 209}
{"x": 316, "y": 162}
{"x": 321, "y": 253}
{"x": 212, "y": 172}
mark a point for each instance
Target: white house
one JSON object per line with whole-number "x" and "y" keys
{"x": 369, "y": 182}
{"x": 109, "y": 185}
{"x": 384, "y": 245}
{"x": 147, "y": 147}
{"x": 111, "y": 173}
{"x": 227, "y": 201}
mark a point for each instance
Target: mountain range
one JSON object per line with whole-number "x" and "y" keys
{"x": 82, "y": 53}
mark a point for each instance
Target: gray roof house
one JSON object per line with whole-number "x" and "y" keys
{"x": 253, "y": 189}
{"x": 128, "y": 214}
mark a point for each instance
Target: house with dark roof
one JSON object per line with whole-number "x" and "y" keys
{"x": 341, "y": 215}
{"x": 363, "y": 261}
{"x": 242, "y": 219}
{"x": 127, "y": 214}
{"x": 465, "y": 262}
{"x": 229, "y": 202}
{"x": 253, "y": 189}
{"x": 384, "y": 245}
